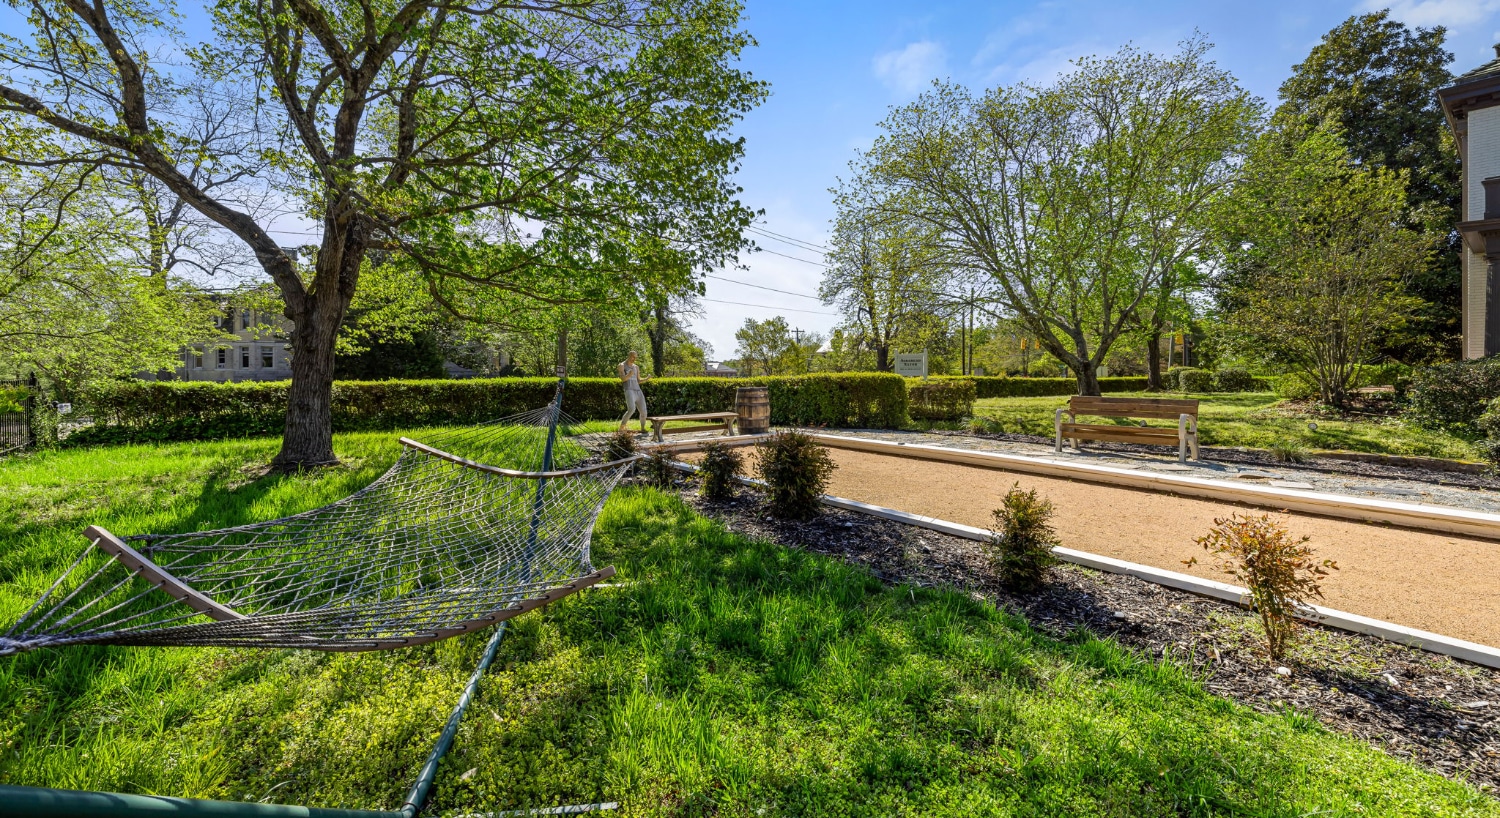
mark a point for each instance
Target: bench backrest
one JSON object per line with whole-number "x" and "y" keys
{"x": 1164, "y": 408}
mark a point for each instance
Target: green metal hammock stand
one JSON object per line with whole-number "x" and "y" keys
{"x": 471, "y": 528}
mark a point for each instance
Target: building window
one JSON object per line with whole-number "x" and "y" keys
{"x": 197, "y": 357}
{"x": 244, "y": 357}
{"x": 244, "y": 319}
{"x": 267, "y": 358}
{"x": 223, "y": 358}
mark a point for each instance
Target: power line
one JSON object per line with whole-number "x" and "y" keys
{"x": 763, "y": 287}
{"x": 784, "y": 237}
{"x": 800, "y": 245}
{"x": 769, "y": 307}
{"x": 794, "y": 258}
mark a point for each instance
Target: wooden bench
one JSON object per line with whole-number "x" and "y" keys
{"x": 1185, "y": 412}
{"x": 716, "y": 420}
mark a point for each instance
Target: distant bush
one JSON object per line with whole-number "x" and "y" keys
{"x": 796, "y": 470}
{"x": 719, "y": 467}
{"x": 1237, "y": 380}
{"x": 1003, "y": 387}
{"x": 946, "y": 399}
{"x": 1195, "y": 380}
{"x": 1451, "y": 396}
{"x": 1022, "y": 539}
{"x": 1293, "y": 387}
{"x": 1280, "y": 572}
{"x": 143, "y": 411}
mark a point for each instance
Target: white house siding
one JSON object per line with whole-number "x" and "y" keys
{"x": 1482, "y": 162}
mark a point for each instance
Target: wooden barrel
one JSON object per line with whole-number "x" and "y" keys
{"x": 753, "y": 405}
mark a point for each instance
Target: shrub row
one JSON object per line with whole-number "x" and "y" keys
{"x": 1191, "y": 379}
{"x": 940, "y": 399}
{"x": 993, "y": 387}
{"x": 137, "y": 411}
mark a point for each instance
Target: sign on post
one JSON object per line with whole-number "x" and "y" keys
{"x": 911, "y": 364}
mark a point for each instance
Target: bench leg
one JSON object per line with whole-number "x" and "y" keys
{"x": 1057, "y": 428}
{"x": 656, "y": 432}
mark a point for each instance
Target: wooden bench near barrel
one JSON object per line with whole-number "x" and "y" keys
{"x": 753, "y": 405}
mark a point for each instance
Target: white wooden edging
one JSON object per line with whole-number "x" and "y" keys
{"x": 1362, "y": 509}
{"x": 1390, "y": 631}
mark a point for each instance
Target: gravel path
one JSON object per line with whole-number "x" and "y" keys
{"x": 1402, "y": 484}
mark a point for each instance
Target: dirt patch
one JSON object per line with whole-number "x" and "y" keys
{"x": 1434, "y": 711}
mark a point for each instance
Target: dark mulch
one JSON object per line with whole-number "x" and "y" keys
{"x": 1441, "y": 713}
{"x": 1257, "y": 457}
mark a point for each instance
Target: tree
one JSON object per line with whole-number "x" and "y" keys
{"x": 1077, "y": 198}
{"x": 1321, "y": 250}
{"x": 78, "y": 302}
{"x": 510, "y": 155}
{"x": 770, "y": 347}
{"x": 1374, "y": 79}
{"x": 881, "y": 271}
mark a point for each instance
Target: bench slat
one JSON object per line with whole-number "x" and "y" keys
{"x": 1161, "y": 409}
{"x": 1122, "y": 436}
{"x": 700, "y": 416}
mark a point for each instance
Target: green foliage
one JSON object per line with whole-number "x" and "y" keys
{"x": 1451, "y": 396}
{"x": 769, "y": 347}
{"x": 385, "y": 358}
{"x": 13, "y": 399}
{"x": 718, "y": 468}
{"x": 1237, "y": 380}
{"x": 1280, "y": 572}
{"x": 947, "y": 399}
{"x": 796, "y": 471}
{"x": 1022, "y": 540}
{"x": 621, "y": 444}
{"x": 147, "y": 411}
{"x": 721, "y": 674}
{"x": 1189, "y": 379}
{"x": 1293, "y": 386}
{"x": 1290, "y": 450}
{"x": 657, "y": 468}
{"x": 1373, "y": 79}
{"x": 1317, "y": 258}
{"x": 1489, "y": 424}
{"x": 1025, "y": 184}
{"x": 1003, "y": 387}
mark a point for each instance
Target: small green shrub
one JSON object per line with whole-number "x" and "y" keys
{"x": 984, "y": 425}
{"x": 1293, "y": 387}
{"x": 1451, "y": 397}
{"x": 621, "y": 445}
{"x": 1279, "y": 572}
{"x": 1195, "y": 380}
{"x": 657, "y": 469}
{"x": 940, "y": 399}
{"x": 719, "y": 467}
{"x": 1235, "y": 380}
{"x": 1289, "y": 450}
{"x": 796, "y": 470}
{"x": 1022, "y": 540}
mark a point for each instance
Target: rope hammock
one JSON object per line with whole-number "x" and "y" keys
{"x": 471, "y": 528}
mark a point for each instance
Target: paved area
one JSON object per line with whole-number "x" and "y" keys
{"x": 1385, "y": 488}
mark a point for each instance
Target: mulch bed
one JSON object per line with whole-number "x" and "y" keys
{"x": 1257, "y": 457}
{"x": 1437, "y": 712}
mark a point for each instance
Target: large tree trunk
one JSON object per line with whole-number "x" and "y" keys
{"x": 307, "y": 438}
{"x": 1153, "y": 361}
{"x": 1088, "y": 379}
{"x": 882, "y": 358}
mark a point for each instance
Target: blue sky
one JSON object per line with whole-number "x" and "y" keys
{"x": 835, "y": 68}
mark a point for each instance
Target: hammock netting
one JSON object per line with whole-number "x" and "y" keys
{"x": 469, "y": 527}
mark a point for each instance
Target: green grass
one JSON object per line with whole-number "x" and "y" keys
{"x": 722, "y": 676}
{"x": 1251, "y": 419}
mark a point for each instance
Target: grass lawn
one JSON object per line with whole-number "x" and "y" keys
{"x": 1251, "y": 419}
{"x": 722, "y": 676}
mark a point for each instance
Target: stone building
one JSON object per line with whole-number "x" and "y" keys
{"x": 256, "y": 350}
{"x": 1472, "y": 106}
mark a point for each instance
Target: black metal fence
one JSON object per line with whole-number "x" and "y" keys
{"x": 16, "y": 416}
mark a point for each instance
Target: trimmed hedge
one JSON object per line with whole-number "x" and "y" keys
{"x": 1452, "y": 396}
{"x": 944, "y": 399}
{"x": 992, "y": 387}
{"x": 138, "y": 411}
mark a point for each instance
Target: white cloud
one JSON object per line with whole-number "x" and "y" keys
{"x": 911, "y": 68}
{"x": 1450, "y": 13}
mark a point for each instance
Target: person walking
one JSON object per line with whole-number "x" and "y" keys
{"x": 635, "y": 400}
